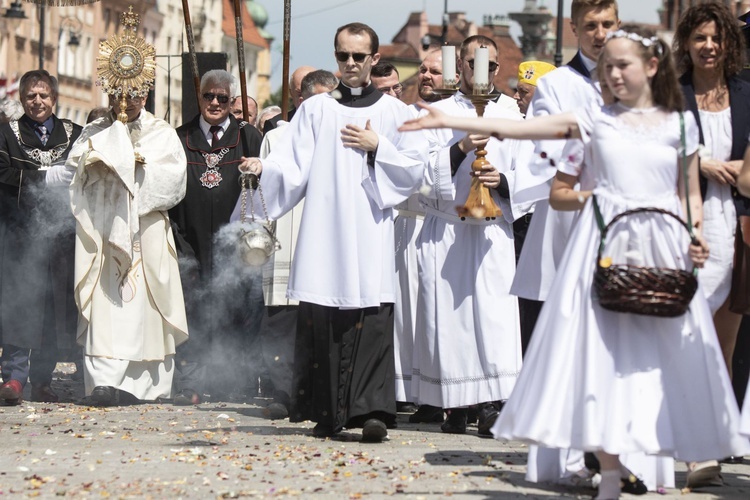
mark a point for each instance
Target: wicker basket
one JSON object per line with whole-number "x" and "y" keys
{"x": 652, "y": 291}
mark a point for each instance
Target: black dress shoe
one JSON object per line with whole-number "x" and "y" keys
{"x": 427, "y": 414}
{"x": 104, "y": 395}
{"x": 402, "y": 407}
{"x": 456, "y": 421}
{"x": 186, "y": 397}
{"x": 322, "y": 430}
{"x": 43, "y": 394}
{"x": 733, "y": 459}
{"x": 633, "y": 485}
{"x": 374, "y": 431}
{"x": 487, "y": 416}
{"x": 276, "y": 411}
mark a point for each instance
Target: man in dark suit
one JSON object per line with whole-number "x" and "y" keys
{"x": 37, "y": 312}
{"x": 214, "y": 143}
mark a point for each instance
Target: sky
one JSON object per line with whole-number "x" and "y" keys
{"x": 314, "y": 22}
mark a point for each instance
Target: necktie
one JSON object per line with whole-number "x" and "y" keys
{"x": 43, "y": 134}
{"x": 214, "y": 129}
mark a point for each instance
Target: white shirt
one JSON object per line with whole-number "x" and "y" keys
{"x": 205, "y": 128}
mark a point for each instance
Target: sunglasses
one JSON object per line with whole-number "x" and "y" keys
{"x": 492, "y": 65}
{"x": 396, "y": 89}
{"x": 358, "y": 57}
{"x": 222, "y": 98}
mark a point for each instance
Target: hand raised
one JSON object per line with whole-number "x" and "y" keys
{"x": 433, "y": 119}
{"x": 360, "y": 138}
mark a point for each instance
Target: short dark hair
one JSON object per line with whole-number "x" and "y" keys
{"x": 97, "y": 113}
{"x": 314, "y": 78}
{"x": 358, "y": 29}
{"x": 382, "y": 69}
{"x": 479, "y": 39}
{"x": 30, "y": 78}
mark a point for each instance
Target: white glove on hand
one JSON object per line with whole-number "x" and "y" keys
{"x": 58, "y": 175}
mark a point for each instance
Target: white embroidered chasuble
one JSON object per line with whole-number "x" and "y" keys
{"x": 127, "y": 284}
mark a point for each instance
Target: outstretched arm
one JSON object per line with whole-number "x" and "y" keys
{"x": 562, "y": 126}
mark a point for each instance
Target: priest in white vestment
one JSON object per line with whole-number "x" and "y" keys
{"x": 467, "y": 348}
{"x": 127, "y": 283}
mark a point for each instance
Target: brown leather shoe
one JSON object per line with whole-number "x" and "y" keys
{"x": 43, "y": 394}
{"x": 12, "y": 392}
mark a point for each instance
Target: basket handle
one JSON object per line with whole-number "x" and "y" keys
{"x": 604, "y": 228}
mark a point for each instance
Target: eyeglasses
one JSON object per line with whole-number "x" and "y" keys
{"x": 492, "y": 65}
{"x": 397, "y": 89}
{"x": 358, "y": 57}
{"x": 222, "y": 98}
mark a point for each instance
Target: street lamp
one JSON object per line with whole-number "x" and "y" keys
{"x": 74, "y": 27}
{"x": 14, "y": 15}
{"x": 428, "y": 39}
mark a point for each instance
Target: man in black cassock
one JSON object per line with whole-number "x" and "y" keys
{"x": 37, "y": 231}
{"x": 343, "y": 154}
{"x": 218, "y": 319}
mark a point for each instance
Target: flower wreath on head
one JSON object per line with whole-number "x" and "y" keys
{"x": 635, "y": 37}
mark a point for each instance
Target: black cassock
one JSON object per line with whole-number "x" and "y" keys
{"x": 216, "y": 325}
{"x": 344, "y": 365}
{"x": 37, "y": 238}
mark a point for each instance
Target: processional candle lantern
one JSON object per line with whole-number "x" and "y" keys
{"x": 479, "y": 204}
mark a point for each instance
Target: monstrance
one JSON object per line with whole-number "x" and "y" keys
{"x": 126, "y": 64}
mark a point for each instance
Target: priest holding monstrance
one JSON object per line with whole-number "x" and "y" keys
{"x": 130, "y": 171}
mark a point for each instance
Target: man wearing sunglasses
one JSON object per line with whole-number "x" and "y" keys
{"x": 214, "y": 141}
{"x": 467, "y": 351}
{"x": 343, "y": 154}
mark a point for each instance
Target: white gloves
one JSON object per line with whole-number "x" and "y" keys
{"x": 58, "y": 175}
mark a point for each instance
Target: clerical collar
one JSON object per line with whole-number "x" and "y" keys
{"x": 361, "y": 97}
{"x": 206, "y": 127}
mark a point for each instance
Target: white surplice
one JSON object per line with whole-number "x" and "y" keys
{"x": 561, "y": 90}
{"x": 286, "y": 228}
{"x": 407, "y": 226}
{"x": 467, "y": 347}
{"x": 127, "y": 282}
{"x": 344, "y": 255}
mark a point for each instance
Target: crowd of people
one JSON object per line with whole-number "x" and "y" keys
{"x": 122, "y": 237}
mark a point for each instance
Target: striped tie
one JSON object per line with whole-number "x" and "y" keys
{"x": 43, "y": 136}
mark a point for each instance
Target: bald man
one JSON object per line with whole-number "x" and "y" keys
{"x": 295, "y": 91}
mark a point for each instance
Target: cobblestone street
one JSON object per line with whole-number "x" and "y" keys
{"x": 227, "y": 450}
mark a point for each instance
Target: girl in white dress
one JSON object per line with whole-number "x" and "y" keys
{"x": 602, "y": 381}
